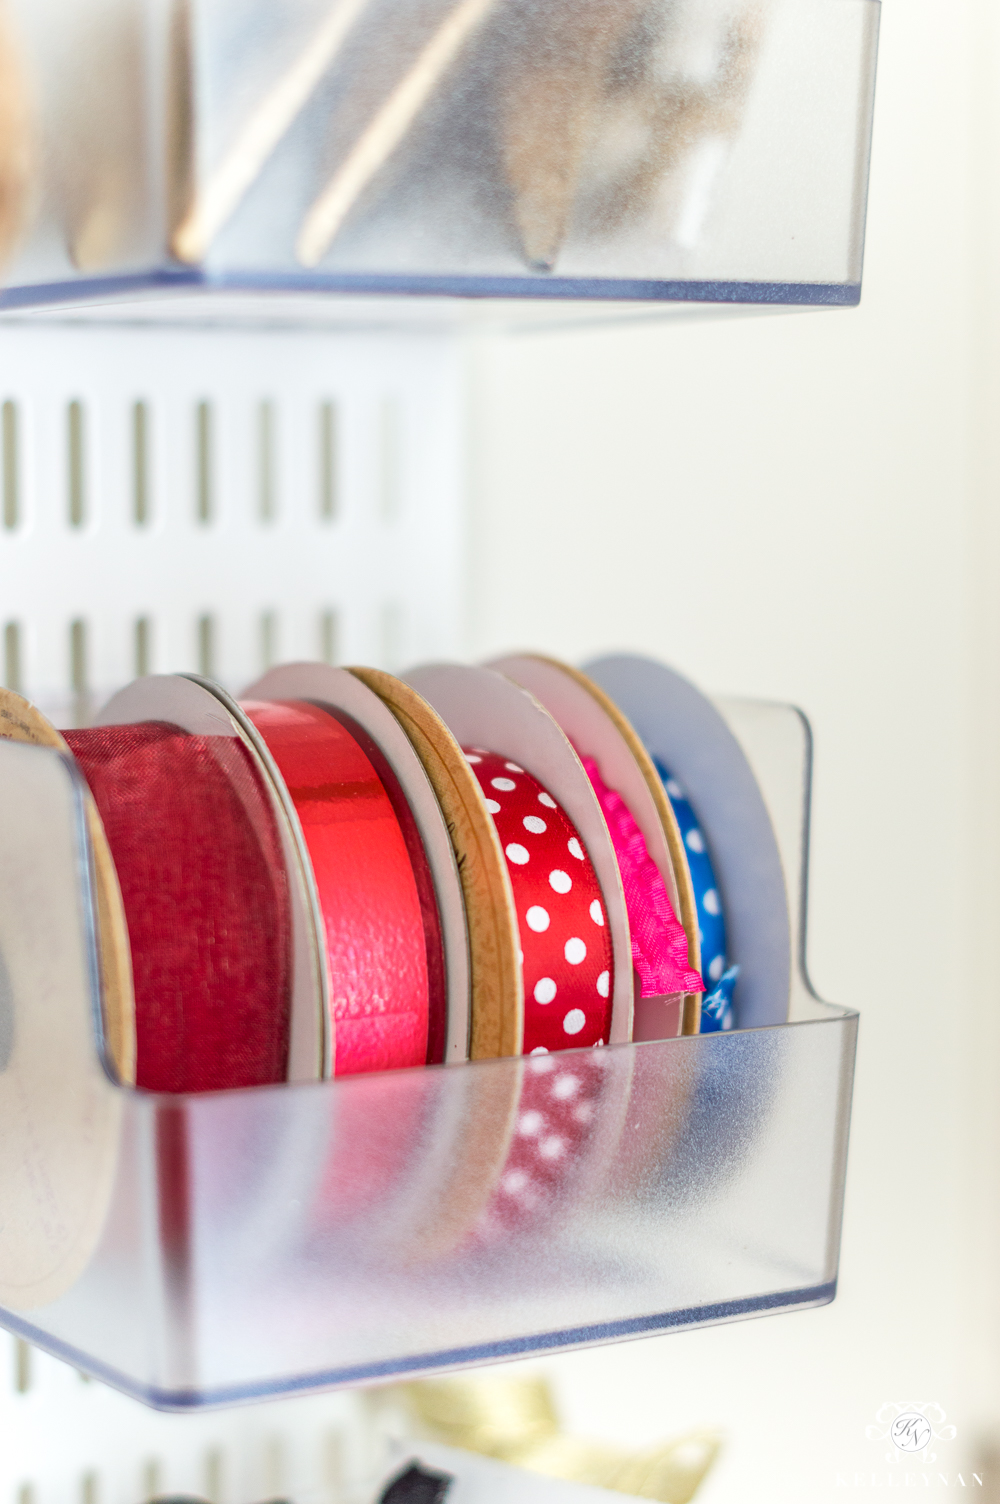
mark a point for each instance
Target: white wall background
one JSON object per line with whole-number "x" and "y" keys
{"x": 808, "y": 507}
{"x": 803, "y": 507}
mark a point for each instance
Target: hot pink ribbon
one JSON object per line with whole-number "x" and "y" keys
{"x": 659, "y": 944}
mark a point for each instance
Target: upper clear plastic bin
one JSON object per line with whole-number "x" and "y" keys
{"x": 693, "y": 151}
{"x": 207, "y": 1249}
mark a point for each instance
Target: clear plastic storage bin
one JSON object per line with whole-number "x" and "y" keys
{"x": 696, "y": 150}
{"x": 204, "y": 1250}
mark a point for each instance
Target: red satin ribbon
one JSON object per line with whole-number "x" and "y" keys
{"x": 568, "y": 967}
{"x": 377, "y": 947}
{"x": 199, "y": 862}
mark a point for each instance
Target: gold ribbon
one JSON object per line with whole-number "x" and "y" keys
{"x": 515, "y": 1421}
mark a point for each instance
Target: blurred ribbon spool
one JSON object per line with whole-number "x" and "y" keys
{"x": 21, "y": 722}
{"x": 18, "y": 143}
{"x": 515, "y": 1421}
{"x": 697, "y": 741}
{"x": 59, "y": 1116}
{"x": 417, "y": 1484}
{"x": 720, "y": 979}
{"x": 383, "y": 946}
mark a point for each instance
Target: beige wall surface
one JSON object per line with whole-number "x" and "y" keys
{"x": 804, "y": 507}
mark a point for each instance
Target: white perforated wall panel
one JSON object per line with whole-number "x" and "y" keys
{"x": 68, "y": 1440}
{"x": 213, "y": 500}
{"x": 183, "y": 498}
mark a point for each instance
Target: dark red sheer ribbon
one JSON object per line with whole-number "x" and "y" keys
{"x": 203, "y": 882}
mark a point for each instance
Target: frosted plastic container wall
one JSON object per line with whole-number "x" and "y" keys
{"x": 651, "y": 149}
{"x": 203, "y": 1250}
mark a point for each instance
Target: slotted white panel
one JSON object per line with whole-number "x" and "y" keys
{"x": 200, "y": 499}
{"x": 67, "y": 1440}
{"x": 173, "y": 500}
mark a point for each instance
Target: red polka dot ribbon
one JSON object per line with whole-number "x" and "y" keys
{"x": 567, "y": 967}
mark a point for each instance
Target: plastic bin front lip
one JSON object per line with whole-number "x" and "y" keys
{"x": 182, "y": 1397}
{"x": 556, "y": 289}
{"x": 420, "y": 1365}
{"x": 758, "y": 198}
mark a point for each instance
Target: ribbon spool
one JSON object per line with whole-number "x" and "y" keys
{"x": 566, "y": 950}
{"x": 424, "y": 1153}
{"x": 562, "y": 1124}
{"x": 380, "y": 989}
{"x": 227, "y": 979}
{"x": 485, "y": 710}
{"x": 437, "y": 1169}
{"x": 414, "y": 1152}
{"x": 685, "y": 730}
{"x": 640, "y": 817}
{"x": 429, "y": 853}
{"x": 418, "y": 1154}
{"x": 372, "y": 912}
{"x": 720, "y": 979}
{"x": 526, "y": 1135}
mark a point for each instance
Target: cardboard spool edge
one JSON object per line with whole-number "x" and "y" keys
{"x": 20, "y": 721}
{"x": 61, "y": 1115}
{"x": 494, "y": 944}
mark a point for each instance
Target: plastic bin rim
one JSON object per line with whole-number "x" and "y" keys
{"x": 155, "y": 1100}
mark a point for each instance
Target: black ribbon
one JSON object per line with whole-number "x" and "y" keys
{"x": 417, "y": 1485}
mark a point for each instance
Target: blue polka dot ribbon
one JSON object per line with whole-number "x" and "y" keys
{"x": 717, "y": 1003}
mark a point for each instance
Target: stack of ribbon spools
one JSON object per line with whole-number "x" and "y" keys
{"x": 346, "y": 873}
